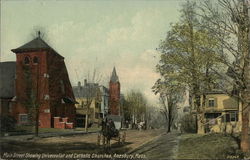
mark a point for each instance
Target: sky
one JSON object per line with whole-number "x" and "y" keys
{"x": 94, "y": 35}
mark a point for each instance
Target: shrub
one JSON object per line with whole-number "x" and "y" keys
{"x": 7, "y": 123}
{"x": 188, "y": 124}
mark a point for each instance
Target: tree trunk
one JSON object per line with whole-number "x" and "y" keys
{"x": 86, "y": 122}
{"x": 169, "y": 128}
{"x": 200, "y": 124}
{"x": 199, "y": 115}
{"x": 244, "y": 41}
{"x": 245, "y": 127}
{"x": 37, "y": 122}
{"x": 200, "y": 118}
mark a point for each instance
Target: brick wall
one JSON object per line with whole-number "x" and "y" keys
{"x": 62, "y": 123}
{"x": 114, "y": 99}
{"x": 49, "y": 82}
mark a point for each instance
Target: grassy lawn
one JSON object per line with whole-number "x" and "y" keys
{"x": 92, "y": 129}
{"x": 31, "y": 129}
{"x": 210, "y": 146}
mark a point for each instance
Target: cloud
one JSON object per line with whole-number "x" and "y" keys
{"x": 100, "y": 38}
{"x": 123, "y": 46}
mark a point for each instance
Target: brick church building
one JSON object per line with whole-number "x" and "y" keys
{"x": 42, "y": 79}
{"x": 114, "y": 94}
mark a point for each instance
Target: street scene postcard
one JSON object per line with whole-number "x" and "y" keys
{"x": 124, "y": 79}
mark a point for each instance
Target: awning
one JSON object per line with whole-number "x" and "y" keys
{"x": 69, "y": 100}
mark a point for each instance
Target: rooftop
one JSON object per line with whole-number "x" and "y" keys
{"x": 36, "y": 44}
{"x": 89, "y": 90}
{"x": 7, "y": 79}
{"x": 114, "y": 77}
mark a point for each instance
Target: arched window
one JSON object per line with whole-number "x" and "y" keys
{"x": 26, "y": 60}
{"x": 35, "y": 60}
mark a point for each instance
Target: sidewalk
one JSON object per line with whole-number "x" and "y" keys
{"x": 164, "y": 146}
{"x": 45, "y": 135}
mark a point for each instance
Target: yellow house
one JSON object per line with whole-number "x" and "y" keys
{"x": 222, "y": 113}
{"x": 89, "y": 99}
{"x": 93, "y": 110}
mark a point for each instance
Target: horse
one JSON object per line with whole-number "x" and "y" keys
{"x": 108, "y": 131}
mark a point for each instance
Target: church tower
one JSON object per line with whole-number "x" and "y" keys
{"x": 114, "y": 94}
{"x": 42, "y": 80}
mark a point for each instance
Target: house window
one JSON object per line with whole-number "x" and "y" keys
{"x": 35, "y": 60}
{"x": 23, "y": 118}
{"x": 26, "y": 60}
{"x": 211, "y": 103}
{"x": 232, "y": 117}
{"x": 101, "y": 115}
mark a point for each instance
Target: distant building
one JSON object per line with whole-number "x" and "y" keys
{"x": 115, "y": 100}
{"x": 114, "y": 94}
{"x": 89, "y": 98}
{"x": 42, "y": 77}
{"x": 7, "y": 87}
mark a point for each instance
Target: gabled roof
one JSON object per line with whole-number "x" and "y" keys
{"x": 215, "y": 92}
{"x": 114, "y": 77}
{"x": 7, "y": 79}
{"x": 36, "y": 44}
{"x": 90, "y": 90}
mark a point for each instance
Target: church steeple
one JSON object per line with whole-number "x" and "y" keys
{"x": 114, "y": 77}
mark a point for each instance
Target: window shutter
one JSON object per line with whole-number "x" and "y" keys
{"x": 227, "y": 117}
{"x": 215, "y": 102}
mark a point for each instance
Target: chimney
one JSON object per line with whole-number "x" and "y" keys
{"x": 79, "y": 84}
{"x": 85, "y": 82}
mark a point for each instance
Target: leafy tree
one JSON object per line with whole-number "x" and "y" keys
{"x": 228, "y": 20}
{"x": 171, "y": 93}
{"x": 186, "y": 58}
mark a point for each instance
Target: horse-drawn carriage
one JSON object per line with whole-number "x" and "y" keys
{"x": 111, "y": 130}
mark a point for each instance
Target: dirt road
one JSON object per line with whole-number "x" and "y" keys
{"x": 78, "y": 143}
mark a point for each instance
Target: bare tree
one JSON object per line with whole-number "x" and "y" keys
{"x": 91, "y": 93}
{"x": 135, "y": 106}
{"x": 169, "y": 110}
